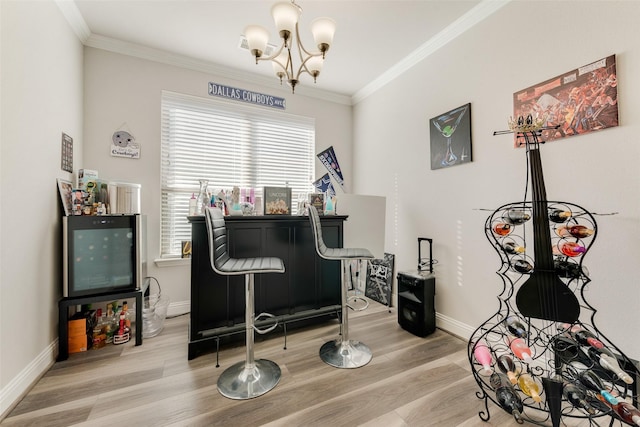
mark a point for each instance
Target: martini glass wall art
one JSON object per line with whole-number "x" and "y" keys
{"x": 450, "y": 135}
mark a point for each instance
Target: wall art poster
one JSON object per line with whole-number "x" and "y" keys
{"x": 330, "y": 161}
{"x": 450, "y": 136}
{"x": 580, "y": 101}
{"x": 380, "y": 279}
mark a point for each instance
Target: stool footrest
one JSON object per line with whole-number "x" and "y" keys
{"x": 356, "y": 298}
{"x": 261, "y": 316}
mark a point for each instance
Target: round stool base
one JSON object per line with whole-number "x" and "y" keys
{"x": 241, "y": 383}
{"x": 345, "y": 354}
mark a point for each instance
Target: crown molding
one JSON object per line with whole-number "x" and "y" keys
{"x": 483, "y": 10}
{"x": 156, "y": 55}
{"x": 74, "y": 18}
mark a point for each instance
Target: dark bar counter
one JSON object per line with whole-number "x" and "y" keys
{"x": 309, "y": 288}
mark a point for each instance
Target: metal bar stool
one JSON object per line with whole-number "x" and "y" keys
{"x": 249, "y": 378}
{"x": 341, "y": 352}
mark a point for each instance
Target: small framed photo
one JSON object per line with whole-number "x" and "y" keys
{"x": 65, "y": 189}
{"x": 186, "y": 249}
{"x": 317, "y": 201}
{"x": 277, "y": 201}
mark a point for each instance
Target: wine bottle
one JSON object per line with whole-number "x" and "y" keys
{"x": 502, "y": 228}
{"x": 577, "y": 396}
{"x": 572, "y": 249}
{"x": 507, "y": 396}
{"x": 515, "y": 327}
{"x": 579, "y": 231}
{"x": 608, "y": 361}
{"x": 517, "y": 216}
{"x": 506, "y": 365}
{"x": 559, "y": 216}
{"x": 567, "y": 269}
{"x": 520, "y": 349}
{"x": 483, "y": 356}
{"x": 512, "y": 248}
{"x": 530, "y": 387}
{"x": 585, "y": 337}
{"x": 594, "y": 383}
{"x": 627, "y": 412}
{"x": 522, "y": 266}
{"x": 565, "y": 348}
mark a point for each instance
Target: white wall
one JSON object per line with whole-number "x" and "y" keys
{"x": 485, "y": 66}
{"x": 122, "y": 89}
{"x": 41, "y": 97}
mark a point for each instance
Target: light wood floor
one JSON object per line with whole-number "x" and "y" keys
{"x": 411, "y": 381}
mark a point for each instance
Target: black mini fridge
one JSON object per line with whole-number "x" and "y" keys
{"x": 416, "y": 296}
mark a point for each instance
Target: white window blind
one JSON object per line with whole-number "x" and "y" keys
{"x": 229, "y": 145}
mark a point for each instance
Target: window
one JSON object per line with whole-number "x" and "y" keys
{"x": 229, "y": 145}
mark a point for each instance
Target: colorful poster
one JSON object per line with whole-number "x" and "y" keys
{"x": 324, "y": 185}
{"x": 580, "y": 101}
{"x": 329, "y": 160}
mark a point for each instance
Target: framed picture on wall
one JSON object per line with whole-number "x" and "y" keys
{"x": 450, "y": 136}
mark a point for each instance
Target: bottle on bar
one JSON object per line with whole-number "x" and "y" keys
{"x": 522, "y": 266}
{"x": 594, "y": 383}
{"x": 502, "y": 229}
{"x": 512, "y": 248}
{"x": 585, "y": 337}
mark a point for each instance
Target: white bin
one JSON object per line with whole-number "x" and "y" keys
{"x": 124, "y": 198}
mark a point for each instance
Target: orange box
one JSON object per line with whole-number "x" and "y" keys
{"x": 77, "y": 343}
{"x": 77, "y": 328}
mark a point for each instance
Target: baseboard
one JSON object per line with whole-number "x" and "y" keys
{"x": 17, "y": 388}
{"x": 454, "y": 327}
{"x": 178, "y": 308}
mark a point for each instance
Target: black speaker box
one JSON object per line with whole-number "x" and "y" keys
{"x": 416, "y": 308}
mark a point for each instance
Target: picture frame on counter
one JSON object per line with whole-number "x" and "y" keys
{"x": 277, "y": 200}
{"x": 317, "y": 200}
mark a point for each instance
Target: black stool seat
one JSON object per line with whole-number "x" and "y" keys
{"x": 249, "y": 378}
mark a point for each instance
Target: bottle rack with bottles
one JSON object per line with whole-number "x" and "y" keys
{"x": 546, "y": 372}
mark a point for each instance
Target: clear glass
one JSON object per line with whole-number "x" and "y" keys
{"x": 203, "y": 198}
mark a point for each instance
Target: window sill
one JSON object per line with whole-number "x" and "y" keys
{"x": 172, "y": 262}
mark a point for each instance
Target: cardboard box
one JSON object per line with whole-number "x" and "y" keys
{"x": 77, "y": 328}
{"x": 77, "y": 343}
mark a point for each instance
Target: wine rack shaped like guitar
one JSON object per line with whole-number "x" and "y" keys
{"x": 540, "y": 357}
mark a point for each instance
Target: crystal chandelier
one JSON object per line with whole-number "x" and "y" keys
{"x": 286, "y": 17}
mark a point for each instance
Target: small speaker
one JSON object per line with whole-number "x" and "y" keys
{"x": 416, "y": 308}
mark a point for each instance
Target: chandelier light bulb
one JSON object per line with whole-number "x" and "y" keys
{"x": 285, "y": 15}
{"x": 314, "y": 65}
{"x": 323, "y": 30}
{"x": 257, "y": 39}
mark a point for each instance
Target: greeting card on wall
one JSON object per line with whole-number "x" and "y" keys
{"x": 330, "y": 161}
{"x": 450, "y": 136}
{"x": 579, "y": 101}
{"x": 277, "y": 201}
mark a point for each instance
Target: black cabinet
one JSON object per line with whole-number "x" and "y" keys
{"x": 309, "y": 287}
